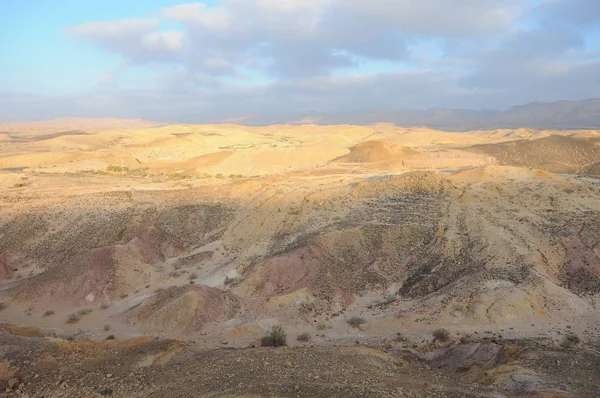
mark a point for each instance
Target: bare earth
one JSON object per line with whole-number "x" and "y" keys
{"x": 187, "y": 243}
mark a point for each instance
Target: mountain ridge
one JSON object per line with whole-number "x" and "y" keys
{"x": 583, "y": 114}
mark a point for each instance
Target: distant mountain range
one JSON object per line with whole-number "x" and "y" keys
{"x": 583, "y": 114}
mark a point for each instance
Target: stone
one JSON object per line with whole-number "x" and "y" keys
{"x": 478, "y": 356}
{"x": 13, "y": 383}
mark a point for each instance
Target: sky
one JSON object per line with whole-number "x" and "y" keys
{"x": 223, "y": 60}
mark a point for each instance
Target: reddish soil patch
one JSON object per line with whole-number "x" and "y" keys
{"x": 287, "y": 272}
{"x": 92, "y": 273}
{"x": 184, "y": 308}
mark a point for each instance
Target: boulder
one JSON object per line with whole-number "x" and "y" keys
{"x": 464, "y": 358}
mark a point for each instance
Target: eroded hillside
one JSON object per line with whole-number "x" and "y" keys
{"x": 212, "y": 234}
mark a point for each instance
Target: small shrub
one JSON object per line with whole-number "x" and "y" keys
{"x": 275, "y": 338}
{"x": 390, "y": 298}
{"x": 441, "y": 335}
{"x": 110, "y": 337}
{"x": 459, "y": 308}
{"x": 84, "y": 311}
{"x": 219, "y": 176}
{"x": 356, "y": 321}
{"x": 229, "y": 281}
{"x": 323, "y": 326}
{"x": 117, "y": 169}
{"x": 526, "y": 343}
{"x": 571, "y": 340}
{"x": 303, "y": 337}
{"x": 399, "y": 338}
{"x": 106, "y": 328}
{"x": 193, "y": 276}
{"x": 73, "y": 318}
{"x": 177, "y": 176}
{"x": 20, "y": 185}
{"x": 104, "y": 306}
{"x": 124, "y": 295}
{"x": 49, "y": 313}
{"x": 3, "y": 306}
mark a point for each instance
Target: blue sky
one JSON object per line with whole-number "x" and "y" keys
{"x": 216, "y": 60}
{"x": 44, "y": 58}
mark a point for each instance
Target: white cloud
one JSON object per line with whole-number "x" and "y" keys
{"x": 439, "y": 17}
{"x": 114, "y": 29}
{"x": 200, "y": 15}
{"x": 469, "y": 53}
{"x": 163, "y": 41}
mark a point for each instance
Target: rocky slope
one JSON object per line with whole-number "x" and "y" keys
{"x": 34, "y": 366}
{"x": 349, "y": 245}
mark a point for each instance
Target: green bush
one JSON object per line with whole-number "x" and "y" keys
{"x": 177, "y": 176}
{"x": 323, "y": 326}
{"x": 117, "y": 169}
{"x": 275, "y": 338}
{"x": 571, "y": 340}
{"x": 229, "y": 281}
{"x": 73, "y": 318}
{"x": 84, "y": 311}
{"x": 49, "y": 312}
{"x": 356, "y": 321}
{"x": 303, "y": 337}
{"x": 441, "y": 335}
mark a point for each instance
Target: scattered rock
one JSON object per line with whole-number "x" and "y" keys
{"x": 13, "y": 383}
{"x": 478, "y": 356}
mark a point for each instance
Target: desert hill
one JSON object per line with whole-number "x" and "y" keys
{"x": 592, "y": 170}
{"x": 379, "y": 154}
{"x": 213, "y": 234}
{"x": 67, "y": 125}
{"x": 569, "y": 115}
{"x": 376, "y": 151}
{"x": 560, "y": 154}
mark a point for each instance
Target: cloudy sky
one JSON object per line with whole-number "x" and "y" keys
{"x": 223, "y": 60}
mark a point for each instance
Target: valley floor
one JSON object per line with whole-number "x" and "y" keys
{"x": 38, "y": 367}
